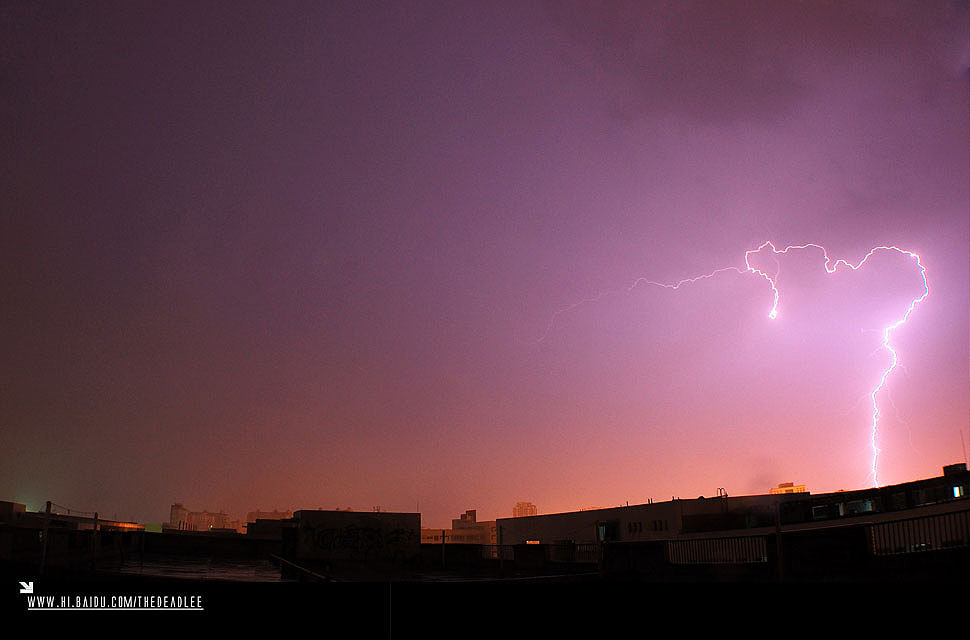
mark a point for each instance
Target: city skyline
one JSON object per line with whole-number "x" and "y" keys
{"x": 408, "y": 255}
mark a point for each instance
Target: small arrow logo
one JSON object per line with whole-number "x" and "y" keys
{"x": 26, "y": 587}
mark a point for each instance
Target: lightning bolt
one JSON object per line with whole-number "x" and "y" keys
{"x": 772, "y": 279}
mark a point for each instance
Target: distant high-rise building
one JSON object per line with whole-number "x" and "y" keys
{"x": 466, "y": 529}
{"x": 524, "y": 509}
{"x": 179, "y": 516}
{"x": 787, "y": 487}
{"x": 184, "y": 520}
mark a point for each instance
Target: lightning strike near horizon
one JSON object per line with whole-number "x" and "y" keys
{"x": 830, "y": 267}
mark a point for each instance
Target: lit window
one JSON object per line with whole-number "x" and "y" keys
{"x": 532, "y": 542}
{"x": 958, "y": 491}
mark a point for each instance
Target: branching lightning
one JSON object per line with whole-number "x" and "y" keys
{"x": 771, "y": 279}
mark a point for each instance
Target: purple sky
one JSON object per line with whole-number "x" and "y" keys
{"x": 282, "y": 255}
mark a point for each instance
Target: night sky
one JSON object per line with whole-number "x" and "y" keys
{"x": 300, "y": 255}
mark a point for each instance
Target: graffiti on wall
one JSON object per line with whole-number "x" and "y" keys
{"x": 359, "y": 542}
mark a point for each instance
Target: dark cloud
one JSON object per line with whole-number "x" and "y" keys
{"x": 729, "y": 61}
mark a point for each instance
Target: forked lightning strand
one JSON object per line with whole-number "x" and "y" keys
{"x": 830, "y": 267}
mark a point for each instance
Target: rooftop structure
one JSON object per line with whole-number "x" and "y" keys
{"x": 787, "y": 487}
{"x": 464, "y": 530}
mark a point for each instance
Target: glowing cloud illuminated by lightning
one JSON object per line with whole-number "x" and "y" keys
{"x": 830, "y": 267}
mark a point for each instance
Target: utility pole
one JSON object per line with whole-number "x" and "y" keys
{"x": 94, "y": 541}
{"x": 778, "y": 550}
{"x": 45, "y": 532}
{"x": 501, "y": 553}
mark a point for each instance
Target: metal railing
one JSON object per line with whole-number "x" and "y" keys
{"x": 738, "y": 550}
{"x": 926, "y": 533}
{"x": 498, "y": 552}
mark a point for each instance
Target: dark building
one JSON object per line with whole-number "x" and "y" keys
{"x": 361, "y": 544}
{"x": 915, "y": 530}
{"x": 676, "y": 518}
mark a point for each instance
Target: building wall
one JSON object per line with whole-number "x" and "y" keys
{"x": 654, "y": 521}
{"x": 484, "y": 535}
{"x": 357, "y": 536}
{"x": 253, "y": 516}
{"x": 636, "y": 522}
{"x": 11, "y": 511}
{"x": 178, "y": 516}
